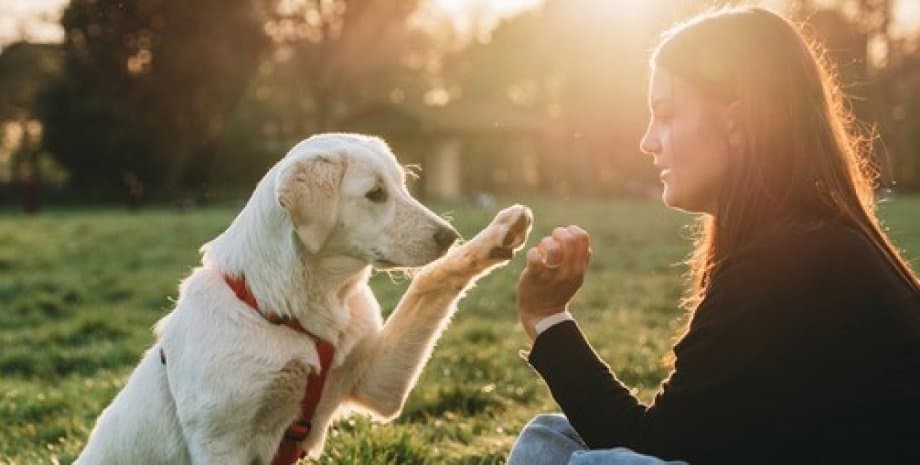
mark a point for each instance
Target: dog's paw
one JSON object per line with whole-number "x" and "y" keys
{"x": 513, "y": 226}
{"x": 492, "y": 247}
{"x": 498, "y": 241}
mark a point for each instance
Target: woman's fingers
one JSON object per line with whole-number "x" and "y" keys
{"x": 561, "y": 256}
{"x": 534, "y": 260}
{"x": 565, "y": 240}
{"x": 551, "y": 252}
{"x": 582, "y": 244}
{"x": 535, "y": 268}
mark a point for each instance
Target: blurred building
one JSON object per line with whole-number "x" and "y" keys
{"x": 464, "y": 148}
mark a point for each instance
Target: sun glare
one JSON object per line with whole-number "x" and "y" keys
{"x": 463, "y": 10}
{"x": 907, "y": 17}
{"x": 34, "y": 20}
{"x": 452, "y": 7}
{"x": 501, "y": 7}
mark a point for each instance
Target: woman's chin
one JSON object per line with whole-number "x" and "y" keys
{"x": 682, "y": 203}
{"x": 668, "y": 197}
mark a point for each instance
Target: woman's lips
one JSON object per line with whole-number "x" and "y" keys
{"x": 663, "y": 174}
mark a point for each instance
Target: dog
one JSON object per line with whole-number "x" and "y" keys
{"x": 281, "y": 306}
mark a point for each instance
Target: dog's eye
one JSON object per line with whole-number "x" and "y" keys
{"x": 376, "y": 194}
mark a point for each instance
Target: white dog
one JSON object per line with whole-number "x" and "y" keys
{"x": 279, "y": 292}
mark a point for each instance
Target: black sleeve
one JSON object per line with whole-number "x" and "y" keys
{"x": 597, "y": 404}
{"x": 712, "y": 396}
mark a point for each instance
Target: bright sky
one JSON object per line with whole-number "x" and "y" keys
{"x": 37, "y": 20}
{"x": 470, "y": 17}
{"x": 907, "y": 16}
{"x": 500, "y": 7}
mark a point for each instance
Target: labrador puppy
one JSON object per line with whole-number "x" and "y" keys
{"x": 281, "y": 302}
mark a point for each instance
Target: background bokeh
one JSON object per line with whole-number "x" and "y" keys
{"x": 177, "y": 102}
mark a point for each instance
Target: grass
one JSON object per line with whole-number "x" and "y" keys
{"x": 79, "y": 291}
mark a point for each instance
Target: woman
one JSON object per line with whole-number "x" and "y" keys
{"x": 804, "y": 341}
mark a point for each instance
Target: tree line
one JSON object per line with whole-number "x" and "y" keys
{"x": 147, "y": 99}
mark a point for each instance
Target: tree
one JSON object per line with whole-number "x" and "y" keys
{"x": 146, "y": 88}
{"x": 335, "y": 56}
{"x": 150, "y": 86}
{"x": 583, "y": 63}
{"x": 879, "y": 72}
{"x": 330, "y": 60}
{"x": 24, "y": 70}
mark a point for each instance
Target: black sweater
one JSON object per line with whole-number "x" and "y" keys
{"x": 806, "y": 349}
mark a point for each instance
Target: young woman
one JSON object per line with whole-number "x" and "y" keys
{"x": 804, "y": 341}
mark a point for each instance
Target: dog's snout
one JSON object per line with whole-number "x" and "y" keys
{"x": 445, "y": 237}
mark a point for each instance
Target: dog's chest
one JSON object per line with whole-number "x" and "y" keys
{"x": 286, "y": 382}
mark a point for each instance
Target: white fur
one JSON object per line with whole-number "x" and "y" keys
{"x": 305, "y": 243}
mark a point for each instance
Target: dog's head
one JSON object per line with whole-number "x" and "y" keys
{"x": 345, "y": 195}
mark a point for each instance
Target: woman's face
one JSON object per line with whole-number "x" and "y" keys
{"x": 687, "y": 137}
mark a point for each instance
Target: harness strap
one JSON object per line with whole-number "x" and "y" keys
{"x": 290, "y": 449}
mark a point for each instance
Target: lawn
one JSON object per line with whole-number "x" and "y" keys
{"x": 79, "y": 291}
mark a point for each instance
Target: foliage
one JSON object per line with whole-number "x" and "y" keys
{"x": 169, "y": 98}
{"x": 330, "y": 61}
{"x": 27, "y": 70}
{"x": 152, "y": 90}
{"x": 146, "y": 88}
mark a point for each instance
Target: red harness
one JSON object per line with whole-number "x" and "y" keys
{"x": 290, "y": 450}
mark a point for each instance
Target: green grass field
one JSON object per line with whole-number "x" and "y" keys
{"x": 79, "y": 291}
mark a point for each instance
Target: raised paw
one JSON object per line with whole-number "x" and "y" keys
{"x": 493, "y": 246}
{"x": 498, "y": 241}
{"x": 513, "y": 225}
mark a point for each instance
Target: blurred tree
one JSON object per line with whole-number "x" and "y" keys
{"x": 335, "y": 57}
{"x": 146, "y": 88}
{"x": 150, "y": 86}
{"x": 899, "y": 123}
{"x": 584, "y": 64}
{"x": 26, "y": 69}
{"x": 166, "y": 96}
{"x": 879, "y": 72}
{"x": 330, "y": 60}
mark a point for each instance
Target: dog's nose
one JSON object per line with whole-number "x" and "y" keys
{"x": 445, "y": 237}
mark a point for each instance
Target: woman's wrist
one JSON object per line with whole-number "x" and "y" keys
{"x": 548, "y": 322}
{"x": 531, "y": 320}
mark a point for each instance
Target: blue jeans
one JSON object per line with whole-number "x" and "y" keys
{"x": 551, "y": 440}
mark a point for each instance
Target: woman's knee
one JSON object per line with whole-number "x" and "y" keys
{"x": 545, "y": 440}
{"x": 551, "y": 424}
{"x": 549, "y": 421}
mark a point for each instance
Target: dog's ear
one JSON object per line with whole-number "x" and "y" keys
{"x": 309, "y": 191}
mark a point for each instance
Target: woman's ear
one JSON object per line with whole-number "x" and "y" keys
{"x": 308, "y": 190}
{"x": 734, "y": 126}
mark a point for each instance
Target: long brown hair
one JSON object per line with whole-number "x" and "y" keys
{"x": 804, "y": 156}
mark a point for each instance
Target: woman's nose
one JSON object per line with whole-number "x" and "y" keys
{"x": 649, "y": 143}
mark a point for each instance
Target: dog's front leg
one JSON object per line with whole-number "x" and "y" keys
{"x": 399, "y": 351}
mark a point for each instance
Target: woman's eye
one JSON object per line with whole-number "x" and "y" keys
{"x": 376, "y": 194}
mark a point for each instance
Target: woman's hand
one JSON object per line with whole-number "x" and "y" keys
{"x": 554, "y": 271}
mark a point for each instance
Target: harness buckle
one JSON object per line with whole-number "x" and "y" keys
{"x": 299, "y": 430}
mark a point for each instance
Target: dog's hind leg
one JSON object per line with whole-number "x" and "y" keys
{"x": 398, "y": 352}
